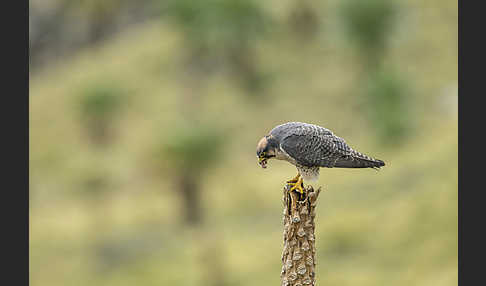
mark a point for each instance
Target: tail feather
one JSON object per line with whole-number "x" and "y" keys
{"x": 358, "y": 160}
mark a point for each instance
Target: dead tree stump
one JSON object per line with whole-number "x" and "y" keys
{"x": 298, "y": 256}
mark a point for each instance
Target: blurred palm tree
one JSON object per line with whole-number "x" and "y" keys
{"x": 98, "y": 106}
{"x": 221, "y": 34}
{"x": 387, "y": 106}
{"x": 368, "y": 24}
{"x": 186, "y": 153}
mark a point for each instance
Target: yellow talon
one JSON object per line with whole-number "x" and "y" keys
{"x": 294, "y": 180}
{"x": 298, "y": 185}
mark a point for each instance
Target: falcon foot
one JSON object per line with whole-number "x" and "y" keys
{"x": 294, "y": 180}
{"x": 299, "y": 186}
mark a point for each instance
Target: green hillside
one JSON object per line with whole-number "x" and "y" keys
{"x": 110, "y": 214}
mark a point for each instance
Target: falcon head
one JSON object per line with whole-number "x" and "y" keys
{"x": 266, "y": 149}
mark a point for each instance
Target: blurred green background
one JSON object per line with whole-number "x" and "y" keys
{"x": 144, "y": 119}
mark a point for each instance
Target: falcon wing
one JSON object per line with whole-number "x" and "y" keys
{"x": 315, "y": 149}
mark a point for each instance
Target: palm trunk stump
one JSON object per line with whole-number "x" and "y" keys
{"x": 298, "y": 256}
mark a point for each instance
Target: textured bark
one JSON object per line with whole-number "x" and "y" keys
{"x": 298, "y": 256}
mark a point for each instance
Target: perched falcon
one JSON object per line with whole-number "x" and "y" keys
{"x": 310, "y": 147}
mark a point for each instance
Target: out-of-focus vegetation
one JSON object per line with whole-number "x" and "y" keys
{"x": 98, "y": 108}
{"x": 303, "y": 20}
{"x": 221, "y": 34}
{"x": 176, "y": 197}
{"x": 368, "y": 25}
{"x": 388, "y": 107}
{"x": 60, "y": 28}
{"x": 185, "y": 154}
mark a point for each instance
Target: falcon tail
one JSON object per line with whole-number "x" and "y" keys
{"x": 358, "y": 160}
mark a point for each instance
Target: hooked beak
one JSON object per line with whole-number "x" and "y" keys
{"x": 262, "y": 161}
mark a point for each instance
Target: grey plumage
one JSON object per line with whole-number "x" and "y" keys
{"x": 311, "y": 145}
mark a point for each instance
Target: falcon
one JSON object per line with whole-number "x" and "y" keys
{"x": 310, "y": 147}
